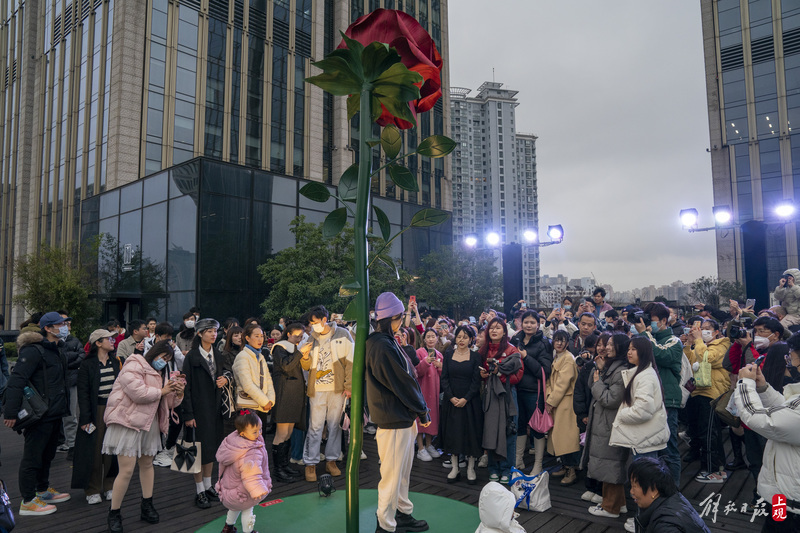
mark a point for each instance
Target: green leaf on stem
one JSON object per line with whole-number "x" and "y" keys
{"x": 403, "y": 178}
{"x": 316, "y": 192}
{"x": 383, "y": 222}
{"x": 353, "y": 105}
{"x": 373, "y": 143}
{"x": 436, "y": 146}
{"x": 429, "y": 217}
{"x": 388, "y": 261}
{"x": 334, "y": 223}
{"x": 395, "y": 88}
{"x": 376, "y": 58}
{"x": 338, "y": 77}
{"x": 348, "y": 183}
{"x": 391, "y": 141}
{"x": 350, "y": 312}
{"x": 350, "y": 288}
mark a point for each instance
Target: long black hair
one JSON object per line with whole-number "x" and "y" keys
{"x": 644, "y": 349}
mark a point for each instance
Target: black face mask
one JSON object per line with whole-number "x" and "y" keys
{"x": 794, "y": 375}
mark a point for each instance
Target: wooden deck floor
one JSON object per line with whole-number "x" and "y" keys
{"x": 174, "y": 498}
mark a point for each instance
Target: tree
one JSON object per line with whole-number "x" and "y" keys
{"x": 312, "y": 272}
{"x": 460, "y": 282}
{"x": 714, "y": 291}
{"x": 55, "y": 278}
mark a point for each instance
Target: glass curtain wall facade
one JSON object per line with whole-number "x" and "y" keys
{"x": 752, "y": 50}
{"x": 195, "y": 234}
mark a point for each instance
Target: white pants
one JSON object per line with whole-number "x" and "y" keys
{"x": 248, "y": 519}
{"x": 396, "y": 451}
{"x": 325, "y": 407}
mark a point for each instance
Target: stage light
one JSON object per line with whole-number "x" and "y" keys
{"x": 722, "y": 214}
{"x": 785, "y": 209}
{"x": 689, "y": 218}
{"x": 471, "y": 240}
{"x": 530, "y": 235}
{"x": 556, "y": 233}
{"x": 492, "y": 238}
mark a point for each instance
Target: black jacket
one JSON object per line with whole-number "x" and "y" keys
{"x": 88, "y": 389}
{"x": 29, "y": 367}
{"x": 393, "y": 395}
{"x": 73, "y": 351}
{"x": 670, "y": 515}
{"x": 582, "y": 395}
{"x": 539, "y": 355}
{"x": 202, "y": 401}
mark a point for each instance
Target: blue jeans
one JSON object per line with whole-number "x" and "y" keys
{"x": 499, "y": 465}
{"x": 671, "y": 455}
{"x": 298, "y": 440}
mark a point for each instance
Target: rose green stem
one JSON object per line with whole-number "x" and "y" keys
{"x": 362, "y": 311}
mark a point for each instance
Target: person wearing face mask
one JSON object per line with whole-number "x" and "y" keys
{"x": 668, "y": 353}
{"x": 395, "y": 402}
{"x": 75, "y": 354}
{"x": 186, "y": 333}
{"x": 137, "y": 412}
{"x": 706, "y": 343}
{"x": 330, "y": 366}
{"x": 41, "y": 365}
{"x": 788, "y": 294}
{"x": 776, "y": 417}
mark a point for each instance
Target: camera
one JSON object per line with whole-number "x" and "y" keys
{"x": 492, "y": 364}
{"x": 640, "y": 315}
{"x": 738, "y": 329}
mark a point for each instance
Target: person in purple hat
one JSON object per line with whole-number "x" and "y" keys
{"x": 395, "y": 402}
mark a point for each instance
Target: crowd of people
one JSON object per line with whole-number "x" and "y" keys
{"x": 619, "y": 387}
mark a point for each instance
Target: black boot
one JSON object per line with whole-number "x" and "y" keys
{"x": 406, "y": 522}
{"x": 285, "y": 450}
{"x": 149, "y": 513}
{"x": 282, "y": 474}
{"x": 114, "y": 521}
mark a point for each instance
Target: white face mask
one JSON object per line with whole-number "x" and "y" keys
{"x": 189, "y": 324}
{"x": 760, "y": 343}
{"x": 318, "y": 327}
{"x": 707, "y": 335}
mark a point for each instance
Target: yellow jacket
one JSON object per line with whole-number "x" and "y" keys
{"x": 720, "y": 379}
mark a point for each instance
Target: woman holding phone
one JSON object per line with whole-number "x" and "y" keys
{"x": 429, "y": 372}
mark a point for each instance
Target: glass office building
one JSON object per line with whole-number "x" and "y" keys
{"x": 752, "y": 57}
{"x": 99, "y": 94}
{"x": 196, "y": 233}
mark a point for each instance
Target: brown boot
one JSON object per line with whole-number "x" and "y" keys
{"x": 311, "y": 473}
{"x": 570, "y": 477}
{"x": 332, "y": 469}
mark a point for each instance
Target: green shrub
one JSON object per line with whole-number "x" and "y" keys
{"x": 11, "y": 350}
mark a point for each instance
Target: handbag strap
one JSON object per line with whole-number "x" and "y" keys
{"x": 705, "y": 357}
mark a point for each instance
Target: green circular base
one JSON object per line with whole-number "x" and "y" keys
{"x": 311, "y": 512}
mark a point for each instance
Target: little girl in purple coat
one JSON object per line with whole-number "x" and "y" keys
{"x": 243, "y": 471}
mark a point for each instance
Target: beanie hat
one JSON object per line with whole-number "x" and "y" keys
{"x": 205, "y": 323}
{"x": 388, "y": 305}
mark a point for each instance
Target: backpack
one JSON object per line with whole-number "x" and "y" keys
{"x": 686, "y": 375}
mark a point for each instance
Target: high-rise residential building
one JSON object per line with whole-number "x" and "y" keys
{"x": 494, "y": 175}
{"x": 101, "y": 94}
{"x": 752, "y": 62}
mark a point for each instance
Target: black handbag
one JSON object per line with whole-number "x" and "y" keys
{"x": 7, "y": 521}
{"x": 34, "y": 405}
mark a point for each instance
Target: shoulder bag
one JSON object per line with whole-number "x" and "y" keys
{"x": 7, "y": 521}
{"x": 34, "y": 405}
{"x": 702, "y": 378}
{"x": 541, "y": 421}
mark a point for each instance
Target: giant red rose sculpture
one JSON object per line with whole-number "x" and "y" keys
{"x": 417, "y": 52}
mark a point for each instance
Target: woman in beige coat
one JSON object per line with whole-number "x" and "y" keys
{"x": 564, "y": 441}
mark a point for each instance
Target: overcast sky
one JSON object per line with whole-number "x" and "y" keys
{"x": 615, "y": 91}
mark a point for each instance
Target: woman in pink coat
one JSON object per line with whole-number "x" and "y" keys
{"x": 243, "y": 471}
{"x": 137, "y": 413}
{"x": 429, "y": 372}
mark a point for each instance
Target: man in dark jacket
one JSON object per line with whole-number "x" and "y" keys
{"x": 395, "y": 402}
{"x": 73, "y": 351}
{"x": 42, "y": 365}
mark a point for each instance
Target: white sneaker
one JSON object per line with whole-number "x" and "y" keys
{"x": 164, "y": 458}
{"x": 433, "y": 452}
{"x": 296, "y": 461}
{"x": 483, "y": 462}
{"x": 597, "y": 499}
{"x": 588, "y": 496}
{"x": 630, "y": 526}
{"x": 599, "y": 511}
{"x": 62, "y": 448}
{"x": 108, "y": 495}
{"x": 94, "y": 499}
{"x": 363, "y": 455}
{"x": 423, "y": 455}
